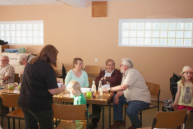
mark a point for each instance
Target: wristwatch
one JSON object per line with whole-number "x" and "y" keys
{"x": 109, "y": 89}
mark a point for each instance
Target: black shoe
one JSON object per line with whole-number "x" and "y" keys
{"x": 93, "y": 126}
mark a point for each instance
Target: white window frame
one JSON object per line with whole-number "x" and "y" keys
{"x": 22, "y": 32}
{"x": 129, "y": 44}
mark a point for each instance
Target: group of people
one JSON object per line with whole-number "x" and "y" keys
{"x": 39, "y": 85}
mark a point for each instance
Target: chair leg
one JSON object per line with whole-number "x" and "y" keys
{"x": 19, "y": 122}
{"x": 13, "y": 123}
{"x": 8, "y": 122}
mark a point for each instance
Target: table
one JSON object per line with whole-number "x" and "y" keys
{"x": 66, "y": 98}
{"x": 104, "y": 101}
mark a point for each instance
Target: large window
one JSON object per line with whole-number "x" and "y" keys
{"x": 156, "y": 32}
{"x": 22, "y": 32}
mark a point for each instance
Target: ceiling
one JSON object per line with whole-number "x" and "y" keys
{"x": 73, "y": 3}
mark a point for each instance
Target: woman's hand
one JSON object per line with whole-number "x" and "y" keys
{"x": 174, "y": 106}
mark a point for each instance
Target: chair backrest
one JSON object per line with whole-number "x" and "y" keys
{"x": 16, "y": 79}
{"x": 92, "y": 70}
{"x": 21, "y": 75}
{"x": 169, "y": 119}
{"x": 153, "y": 88}
{"x": 9, "y": 99}
{"x": 69, "y": 112}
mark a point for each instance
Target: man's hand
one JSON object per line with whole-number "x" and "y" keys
{"x": 116, "y": 100}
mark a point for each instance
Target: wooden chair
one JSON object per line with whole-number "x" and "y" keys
{"x": 21, "y": 75}
{"x": 154, "y": 90}
{"x": 169, "y": 120}
{"x": 10, "y": 100}
{"x": 16, "y": 79}
{"x": 71, "y": 112}
{"x": 92, "y": 71}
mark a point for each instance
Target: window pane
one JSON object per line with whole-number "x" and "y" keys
{"x": 18, "y": 26}
{"x": 148, "y": 34}
{"x": 155, "y": 41}
{"x": 2, "y": 27}
{"x": 23, "y": 27}
{"x": 155, "y": 33}
{"x": 132, "y": 41}
{"x": 188, "y": 34}
{"x": 171, "y": 34}
{"x": 172, "y": 26}
{"x": 171, "y": 42}
{"x": 7, "y": 27}
{"x": 140, "y": 33}
{"x": 125, "y": 41}
{"x": 133, "y": 26}
{"x": 147, "y": 41}
{"x": 163, "y": 42}
{"x": 156, "y": 26}
{"x": 148, "y": 26}
{"x": 133, "y": 34}
{"x": 180, "y": 26}
{"x": 188, "y": 26}
{"x": 125, "y": 26}
{"x": 140, "y": 41}
{"x": 125, "y": 33}
{"x": 179, "y": 42}
{"x": 179, "y": 34}
{"x": 2, "y": 34}
{"x": 7, "y": 33}
{"x": 140, "y": 26}
{"x": 29, "y": 27}
{"x": 187, "y": 42}
{"x": 163, "y": 34}
{"x": 164, "y": 26}
{"x": 12, "y": 27}
{"x": 13, "y": 34}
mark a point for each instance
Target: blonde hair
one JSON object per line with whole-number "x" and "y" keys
{"x": 74, "y": 85}
{"x": 183, "y": 80}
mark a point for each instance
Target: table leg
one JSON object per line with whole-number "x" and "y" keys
{"x": 109, "y": 116}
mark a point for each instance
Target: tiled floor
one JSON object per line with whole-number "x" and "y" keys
{"x": 147, "y": 119}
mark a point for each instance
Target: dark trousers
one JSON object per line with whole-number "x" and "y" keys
{"x": 45, "y": 119}
{"x": 96, "y": 111}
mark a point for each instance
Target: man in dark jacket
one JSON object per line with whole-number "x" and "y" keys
{"x": 110, "y": 77}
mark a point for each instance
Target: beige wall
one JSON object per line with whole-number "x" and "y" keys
{"x": 76, "y": 34}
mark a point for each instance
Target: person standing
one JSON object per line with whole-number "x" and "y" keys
{"x": 184, "y": 98}
{"x": 37, "y": 89}
{"x": 133, "y": 91}
{"x": 7, "y": 72}
{"x": 110, "y": 77}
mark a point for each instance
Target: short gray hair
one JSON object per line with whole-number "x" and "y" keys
{"x": 128, "y": 62}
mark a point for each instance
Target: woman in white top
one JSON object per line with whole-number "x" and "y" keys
{"x": 77, "y": 74}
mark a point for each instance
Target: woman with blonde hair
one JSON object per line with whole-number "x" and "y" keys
{"x": 77, "y": 74}
{"x": 37, "y": 89}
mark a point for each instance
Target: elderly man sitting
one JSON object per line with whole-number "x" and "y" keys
{"x": 133, "y": 91}
{"x": 110, "y": 77}
{"x": 7, "y": 72}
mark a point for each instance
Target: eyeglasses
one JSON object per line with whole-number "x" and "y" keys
{"x": 3, "y": 60}
{"x": 122, "y": 65}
